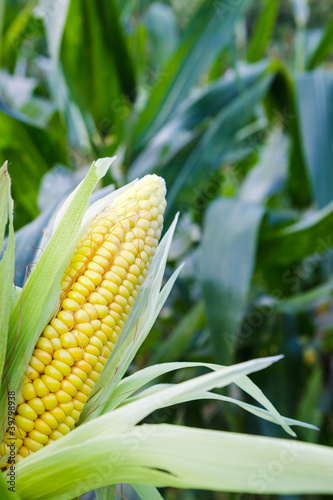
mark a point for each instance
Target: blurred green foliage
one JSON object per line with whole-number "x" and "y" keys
{"x": 232, "y": 102}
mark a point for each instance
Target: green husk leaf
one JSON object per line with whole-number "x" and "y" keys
{"x": 135, "y": 382}
{"x": 255, "y": 410}
{"x": 7, "y": 262}
{"x": 170, "y": 455}
{"x": 4, "y": 492}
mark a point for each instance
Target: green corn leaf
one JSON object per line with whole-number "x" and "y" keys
{"x": 7, "y": 263}
{"x": 13, "y": 36}
{"x": 315, "y": 108}
{"x": 191, "y": 115}
{"x": 94, "y": 36}
{"x": 323, "y": 48}
{"x": 180, "y": 337}
{"x": 208, "y": 33}
{"x": 226, "y": 282}
{"x": 147, "y": 492}
{"x": 312, "y": 234}
{"x": 219, "y": 142}
{"x": 262, "y": 31}
{"x": 269, "y": 175}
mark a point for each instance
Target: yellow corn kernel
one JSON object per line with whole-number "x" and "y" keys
{"x": 50, "y": 401}
{"x": 90, "y": 383}
{"x": 68, "y": 340}
{"x": 38, "y": 436}
{"x": 77, "y": 297}
{"x": 64, "y": 356}
{"x": 56, "y": 435}
{"x": 90, "y": 349}
{"x": 76, "y": 381}
{"x": 63, "y": 428}
{"x": 79, "y": 373}
{"x": 52, "y": 384}
{"x": 68, "y": 387}
{"x": 28, "y": 391}
{"x": 58, "y": 414}
{"x": 76, "y": 353}
{"x": 94, "y": 376}
{"x": 50, "y": 419}
{"x": 42, "y": 427}
{"x": 67, "y": 408}
{"x": 81, "y": 338}
{"x": 20, "y": 433}
{"x": 99, "y": 367}
{"x": 84, "y": 366}
{"x": 86, "y": 389}
{"x": 63, "y": 397}
{"x": 51, "y": 371}
{"x": 78, "y": 405}
{"x": 70, "y": 305}
{"x": 86, "y": 329}
{"x": 63, "y": 368}
{"x": 56, "y": 344}
{"x": 102, "y": 311}
{"x": 32, "y": 374}
{"x": 40, "y": 388}
{"x": 36, "y": 364}
{"x": 67, "y": 318}
{"x": 32, "y": 445}
{"x": 90, "y": 358}
{"x": 81, "y": 397}
{"x": 45, "y": 345}
{"x": 101, "y": 336}
{"x": 59, "y": 326}
{"x": 78, "y": 287}
{"x": 26, "y": 411}
{"x": 75, "y": 415}
{"x": 24, "y": 451}
{"x": 50, "y": 333}
{"x": 37, "y": 405}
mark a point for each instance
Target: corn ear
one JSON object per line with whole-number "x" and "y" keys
{"x": 99, "y": 288}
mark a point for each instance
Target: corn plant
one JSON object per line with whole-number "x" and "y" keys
{"x": 71, "y": 416}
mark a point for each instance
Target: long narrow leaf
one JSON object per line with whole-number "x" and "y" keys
{"x": 169, "y": 455}
{"x": 7, "y": 263}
